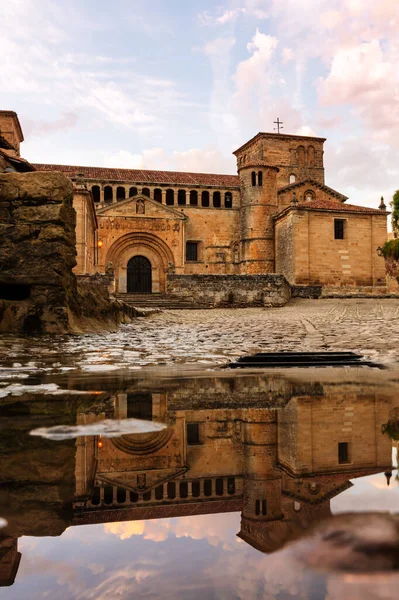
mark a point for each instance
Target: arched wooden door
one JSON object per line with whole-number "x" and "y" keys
{"x": 139, "y": 275}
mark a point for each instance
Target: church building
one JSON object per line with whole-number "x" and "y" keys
{"x": 276, "y": 216}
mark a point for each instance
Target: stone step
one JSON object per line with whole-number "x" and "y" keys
{"x": 156, "y": 300}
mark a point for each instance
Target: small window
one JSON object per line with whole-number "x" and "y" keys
{"x": 260, "y": 178}
{"x": 257, "y": 508}
{"x": 292, "y": 178}
{"x": 181, "y": 197}
{"x": 192, "y": 251}
{"x": 158, "y": 195}
{"x": 95, "y": 190}
{"x": 132, "y": 191}
{"x": 192, "y": 433}
{"x": 216, "y": 199}
{"x": 253, "y": 178}
{"x": 205, "y": 198}
{"x": 170, "y": 197}
{"x": 339, "y": 229}
{"x": 193, "y": 198}
{"x": 183, "y": 489}
{"x": 343, "y": 453}
{"x": 120, "y": 193}
{"x": 195, "y": 489}
{"x": 264, "y": 508}
{"x": 145, "y": 192}
{"x": 208, "y": 487}
{"x": 108, "y": 193}
{"x": 228, "y": 200}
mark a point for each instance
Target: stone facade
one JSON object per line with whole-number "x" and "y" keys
{"x": 280, "y": 467}
{"x": 276, "y": 217}
{"x": 230, "y": 290}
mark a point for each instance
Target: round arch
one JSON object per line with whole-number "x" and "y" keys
{"x": 147, "y": 245}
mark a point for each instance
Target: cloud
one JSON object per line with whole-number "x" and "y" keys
{"x": 209, "y": 160}
{"x": 154, "y": 530}
{"x": 223, "y": 17}
{"x": 35, "y": 127}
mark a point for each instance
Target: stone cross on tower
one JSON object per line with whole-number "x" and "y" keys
{"x": 279, "y": 125}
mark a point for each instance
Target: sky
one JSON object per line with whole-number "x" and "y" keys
{"x": 180, "y": 84}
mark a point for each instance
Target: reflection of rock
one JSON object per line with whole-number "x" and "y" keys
{"x": 357, "y": 543}
{"x": 9, "y": 560}
{"x": 362, "y": 542}
{"x": 39, "y": 292}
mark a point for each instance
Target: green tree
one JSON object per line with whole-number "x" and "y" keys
{"x": 395, "y": 211}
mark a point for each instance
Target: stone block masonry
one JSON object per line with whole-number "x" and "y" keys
{"x": 38, "y": 291}
{"x": 230, "y": 290}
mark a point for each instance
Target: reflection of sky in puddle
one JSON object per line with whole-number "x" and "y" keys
{"x": 189, "y": 558}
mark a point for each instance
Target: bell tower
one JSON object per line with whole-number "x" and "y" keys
{"x": 258, "y": 183}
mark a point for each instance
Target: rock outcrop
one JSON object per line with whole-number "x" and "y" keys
{"x": 38, "y": 291}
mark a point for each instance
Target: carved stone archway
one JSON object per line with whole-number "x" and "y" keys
{"x": 140, "y": 244}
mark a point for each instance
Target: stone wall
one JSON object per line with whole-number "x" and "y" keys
{"x": 37, "y": 254}
{"x": 230, "y": 290}
{"x": 38, "y": 290}
{"x": 320, "y": 259}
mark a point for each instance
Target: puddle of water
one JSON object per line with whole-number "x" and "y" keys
{"x": 237, "y": 485}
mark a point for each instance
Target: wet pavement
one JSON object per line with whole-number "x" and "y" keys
{"x": 275, "y": 484}
{"x": 210, "y": 337}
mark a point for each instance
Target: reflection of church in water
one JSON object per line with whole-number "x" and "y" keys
{"x": 279, "y": 465}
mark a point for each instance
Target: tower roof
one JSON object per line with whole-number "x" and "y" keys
{"x": 278, "y": 136}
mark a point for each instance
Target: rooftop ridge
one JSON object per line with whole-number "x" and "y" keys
{"x": 144, "y": 175}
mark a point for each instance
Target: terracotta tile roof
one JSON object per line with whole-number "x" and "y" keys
{"x": 332, "y": 206}
{"x": 314, "y": 183}
{"x": 144, "y": 176}
{"x": 340, "y": 206}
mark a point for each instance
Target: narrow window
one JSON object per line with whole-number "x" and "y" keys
{"x": 192, "y": 251}
{"x": 108, "y": 194}
{"x": 171, "y": 487}
{"x": 108, "y": 494}
{"x": 216, "y": 199}
{"x": 134, "y": 497}
{"x": 145, "y": 192}
{"x": 159, "y": 492}
{"x": 158, "y": 195}
{"x": 95, "y": 497}
{"x": 181, "y": 197}
{"x": 339, "y": 229}
{"x": 257, "y": 508}
{"x": 260, "y": 178}
{"x": 95, "y": 190}
{"x": 253, "y": 178}
{"x": 264, "y": 507}
{"x": 193, "y": 198}
{"x": 120, "y": 193}
{"x": 228, "y": 200}
{"x": 205, "y": 199}
{"x": 132, "y": 192}
{"x": 195, "y": 489}
{"x": 219, "y": 486}
{"x": 208, "y": 487}
{"x": 120, "y": 495}
{"x": 183, "y": 489}
{"x": 343, "y": 453}
{"x": 231, "y": 486}
{"x": 147, "y": 496}
{"x": 292, "y": 178}
{"x": 170, "y": 197}
{"x": 192, "y": 433}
